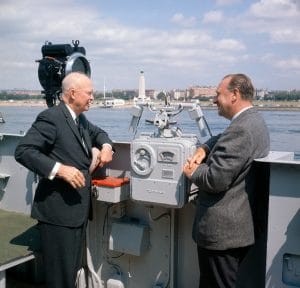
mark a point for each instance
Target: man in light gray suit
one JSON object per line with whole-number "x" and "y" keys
{"x": 222, "y": 168}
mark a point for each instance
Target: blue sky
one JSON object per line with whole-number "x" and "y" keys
{"x": 176, "y": 43}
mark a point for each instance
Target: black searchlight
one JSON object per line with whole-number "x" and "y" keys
{"x": 58, "y": 61}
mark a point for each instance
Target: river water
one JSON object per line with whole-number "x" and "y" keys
{"x": 284, "y": 126}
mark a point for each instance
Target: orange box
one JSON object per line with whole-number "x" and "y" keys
{"x": 111, "y": 189}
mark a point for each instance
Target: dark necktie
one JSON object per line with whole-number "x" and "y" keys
{"x": 80, "y": 129}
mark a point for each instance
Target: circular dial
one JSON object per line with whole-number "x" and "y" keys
{"x": 143, "y": 160}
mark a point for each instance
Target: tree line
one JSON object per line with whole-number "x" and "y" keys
{"x": 129, "y": 95}
{"x": 6, "y": 96}
{"x": 283, "y": 96}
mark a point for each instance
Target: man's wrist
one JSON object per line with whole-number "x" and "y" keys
{"x": 108, "y": 146}
{"x": 54, "y": 171}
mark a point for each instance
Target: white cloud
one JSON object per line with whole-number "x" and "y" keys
{"x": 181, "y": 20}
{"x": 33, "y": 19}
{"x": 275, "y": 9}
{"x": 278, "y": 19}
{"x": 230, "y": 44}
{"x": 291, "y": 63}
{"x": 215, "y": 16}
{"x": 286, "y": 34}
{"x": 177, "y": 18}
{"x": 118, "y": 51}
{"x": 227, "y": 2}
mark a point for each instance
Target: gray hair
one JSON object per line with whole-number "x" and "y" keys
{"x": 243, "y": 83}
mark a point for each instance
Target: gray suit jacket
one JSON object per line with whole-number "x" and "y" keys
{"x": 224, "y": 218}
{"x": 54, "y": 137}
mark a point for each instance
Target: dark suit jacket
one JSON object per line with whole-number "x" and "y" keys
{"x": 54, "y": 137}
{"x": 223, "y": 216}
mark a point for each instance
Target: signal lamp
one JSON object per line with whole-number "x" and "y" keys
{"x": 58, "y": 61}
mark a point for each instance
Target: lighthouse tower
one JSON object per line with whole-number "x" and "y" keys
{"x": 141, "y": 99}
{"x": 142, "y": 94}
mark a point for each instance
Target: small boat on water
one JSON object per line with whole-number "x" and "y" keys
{"x": 110, "y": 103}
{"x": 104, "y": 105}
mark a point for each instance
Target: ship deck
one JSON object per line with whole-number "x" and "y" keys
{"x": 19, "y": 239}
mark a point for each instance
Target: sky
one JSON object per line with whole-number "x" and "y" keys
{"x": 177, "y": 43}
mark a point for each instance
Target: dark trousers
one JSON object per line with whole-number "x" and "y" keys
{"x": 62, "y": 249}
{"x": 218, "y": 269}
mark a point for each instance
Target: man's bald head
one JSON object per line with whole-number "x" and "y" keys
{"x": 77, "y": 92}
{"x": 74, "y": 80}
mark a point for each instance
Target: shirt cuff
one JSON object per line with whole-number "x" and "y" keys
{"x": 54, "y": 171}
{"x": 108, "y": 145}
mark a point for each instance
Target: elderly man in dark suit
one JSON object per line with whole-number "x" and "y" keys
{"x": 222, "y": 169}
{"x": 58, "y": 147}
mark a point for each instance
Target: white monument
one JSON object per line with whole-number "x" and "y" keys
{"x": 142, "y": 94}
{"x": 142, "y": 99}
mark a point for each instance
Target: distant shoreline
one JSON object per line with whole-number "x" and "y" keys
{"x": 261, "y": 105}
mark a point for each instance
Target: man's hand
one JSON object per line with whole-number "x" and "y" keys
{"x": 189, "y": 168}
{"x": 192, "y": 163}
{"x": 71, "y": 175}
{"x": 100, "y": 158}
{"x": 199, "y": 155}
{"x": 105, "y": 155}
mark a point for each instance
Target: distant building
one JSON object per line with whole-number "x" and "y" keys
{"x": 180, "y": 94}
{"x": 261, "y": 94}
{"x": 151, "y": 93}
{"x": 202, "y": 91}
